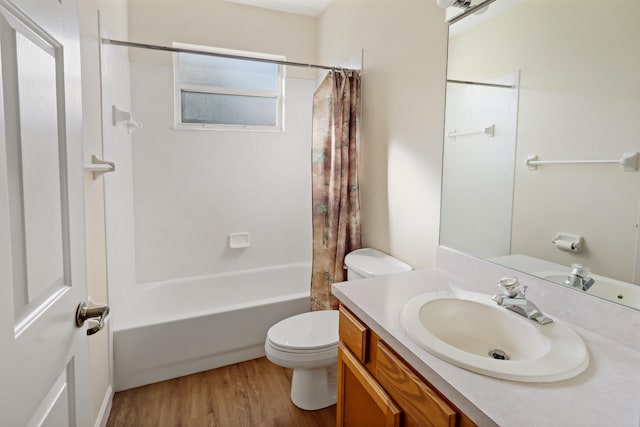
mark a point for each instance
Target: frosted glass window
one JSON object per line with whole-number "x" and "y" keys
{"x": 229, "y": 73}
{"x": 226, "y": 93}
{"x": 217, "y": 108}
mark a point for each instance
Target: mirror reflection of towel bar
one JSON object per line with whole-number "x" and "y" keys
{"x": 629, "y": 162}
{"x": 488, "y": 130}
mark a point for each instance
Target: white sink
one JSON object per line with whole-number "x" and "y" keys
{"x": 463, "y": 328}
{"x": 603, "y": 287}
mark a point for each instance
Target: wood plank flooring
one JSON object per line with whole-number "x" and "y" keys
{"x": 251, "y": 394}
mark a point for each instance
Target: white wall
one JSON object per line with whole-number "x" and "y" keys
{"x": 113, "y": 12}
{"x": 192, "y": 188}
{"x": 99, "y": 374}
{"x": 474, "y": 220}
{"x": 404, "y": 45}
{"x": 571, "y": 107}
{"x": 222, "y": 24}
{"x": 117, "y": 148}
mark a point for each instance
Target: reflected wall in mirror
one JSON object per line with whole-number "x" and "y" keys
{"x": 575, "y": 95}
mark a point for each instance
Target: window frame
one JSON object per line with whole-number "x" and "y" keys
{"x": 179, "y": 87}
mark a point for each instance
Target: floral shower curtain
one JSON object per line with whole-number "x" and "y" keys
{"x": 335, "y": 191}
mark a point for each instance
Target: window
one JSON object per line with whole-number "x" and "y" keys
{"x": 225, "y": 93}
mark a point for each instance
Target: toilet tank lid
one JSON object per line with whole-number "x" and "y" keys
{"x": 370, "y": 262}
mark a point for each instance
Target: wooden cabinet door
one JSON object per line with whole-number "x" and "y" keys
{"x": 361, "y": 400}
{"x": 421, "y": 405}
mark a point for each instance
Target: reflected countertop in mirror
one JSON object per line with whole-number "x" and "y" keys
{"x": 563, "y": 86}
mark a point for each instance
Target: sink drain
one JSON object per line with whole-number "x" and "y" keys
{"x": 498, "y": 354}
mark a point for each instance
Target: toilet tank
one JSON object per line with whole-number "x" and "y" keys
{"x": 368, "y": 262}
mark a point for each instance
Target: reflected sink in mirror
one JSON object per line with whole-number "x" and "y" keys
{"x": 603, "y": 287}
{"x": 471, "y": 331}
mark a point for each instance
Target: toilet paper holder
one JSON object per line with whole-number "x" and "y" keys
{"x": 568, "y": 242}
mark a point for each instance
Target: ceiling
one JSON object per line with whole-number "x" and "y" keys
{"x": 302, "y": 7}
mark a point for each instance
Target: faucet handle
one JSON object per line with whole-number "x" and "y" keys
{"x": 512, "y": 287}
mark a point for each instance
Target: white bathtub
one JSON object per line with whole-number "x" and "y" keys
{"x": 179, "y": 327}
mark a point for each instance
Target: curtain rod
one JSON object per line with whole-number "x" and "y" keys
{"x": 221, "y": 55}
{"x": 466, "y": 82}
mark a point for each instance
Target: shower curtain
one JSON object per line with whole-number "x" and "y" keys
{"x": 335, "y": 191}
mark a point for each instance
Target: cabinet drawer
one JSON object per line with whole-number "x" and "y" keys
{"x": 415, "y": 398}
{"x": 353, "y": 334}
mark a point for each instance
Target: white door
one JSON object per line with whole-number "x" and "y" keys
{"x": 43, "y": 355}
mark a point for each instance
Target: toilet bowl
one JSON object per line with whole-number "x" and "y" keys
{"x": 308, "y": 342}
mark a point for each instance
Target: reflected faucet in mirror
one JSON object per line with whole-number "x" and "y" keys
{"x": 579, "y": 278}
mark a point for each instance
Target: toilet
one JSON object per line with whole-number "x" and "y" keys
{"x": 308, "y": 342}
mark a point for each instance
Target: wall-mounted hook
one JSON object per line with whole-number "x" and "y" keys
{"x": 99, "y": 166}
{"x": 125, "y": 117}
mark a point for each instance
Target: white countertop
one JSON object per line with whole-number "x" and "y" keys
{"x": 606, "y": 394}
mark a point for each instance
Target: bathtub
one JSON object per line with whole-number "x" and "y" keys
{"x": 179, "y": 327}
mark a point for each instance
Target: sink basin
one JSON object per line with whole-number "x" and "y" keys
{"x": 473, "y": 332}
{"x": 603, "y": 287}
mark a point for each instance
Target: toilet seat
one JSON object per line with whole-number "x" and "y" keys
{"x": 312, "y": 332}
{"x": 285, "y": 349}
{"x": 307, "y": 360}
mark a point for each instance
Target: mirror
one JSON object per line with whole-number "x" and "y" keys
{"x": 558, "y": 81}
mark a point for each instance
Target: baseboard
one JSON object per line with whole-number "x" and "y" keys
{"x": 105, "y": 408}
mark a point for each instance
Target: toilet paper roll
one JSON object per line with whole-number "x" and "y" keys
{"x": 565, "y": 246}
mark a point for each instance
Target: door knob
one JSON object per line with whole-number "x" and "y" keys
{"x": 98, "y": 313}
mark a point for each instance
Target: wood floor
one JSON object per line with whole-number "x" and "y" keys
{"x": 253, "y": 393}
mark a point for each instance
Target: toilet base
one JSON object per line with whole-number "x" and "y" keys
{"x": 313, "y": 389}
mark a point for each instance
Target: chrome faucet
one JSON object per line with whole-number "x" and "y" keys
{"x": 513, "y": 298}
{"x": 579, "y": 277}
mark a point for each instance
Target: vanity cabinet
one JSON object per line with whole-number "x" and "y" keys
{"x": 378, "y": 388}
